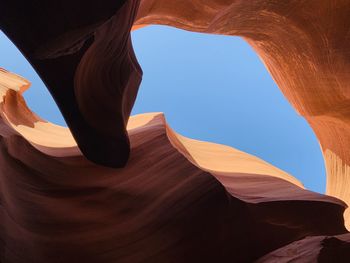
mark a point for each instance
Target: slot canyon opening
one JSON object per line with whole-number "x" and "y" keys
{"x": 212, "y": 88}
{"x": 215, "y": 88}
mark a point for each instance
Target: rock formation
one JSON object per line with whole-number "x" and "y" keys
{"x": 177, "y": 199}
{"x": 312, "y": 249}
{"x": 304, "y": 45}
{"x": 118, "y": 189}
{"x": 87, "y": 63}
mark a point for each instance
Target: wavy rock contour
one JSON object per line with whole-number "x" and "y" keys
{"x": 176, "y": 199}
{"x": 172, "y": 201}
{"x": 304, "y": 45}
{"x": 87, "y": 63}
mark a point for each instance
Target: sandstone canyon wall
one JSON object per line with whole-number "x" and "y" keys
{"x": 305, "y": 47}
{"x": 118, "y": 189}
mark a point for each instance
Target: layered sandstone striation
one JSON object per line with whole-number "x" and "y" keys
{"x": 177, "y": 199}
{"x": 87, "y": 63}
{"x": 304, "y": 45}
{"x": 312, "y": 249}
{"x": 118, "y": 189}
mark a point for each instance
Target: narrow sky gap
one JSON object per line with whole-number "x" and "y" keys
{"x": 211, "y": 88}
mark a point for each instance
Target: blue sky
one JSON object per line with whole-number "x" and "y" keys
{"x": 212, "y": 88}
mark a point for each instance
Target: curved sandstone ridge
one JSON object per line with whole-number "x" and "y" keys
{"x": 88, "y": 64}
{"x": 304, "y": 45}
{"x": 171, "y": 202}
{"x": 83, "y": 53}
{"x": 176, "y": 199}
{"x": 312, "y": 249}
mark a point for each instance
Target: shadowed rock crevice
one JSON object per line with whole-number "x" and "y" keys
{"x": 62, "y": 49}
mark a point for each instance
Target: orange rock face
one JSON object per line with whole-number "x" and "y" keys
{"x": 304, "y": 45}
{"x": 176, "y": 199}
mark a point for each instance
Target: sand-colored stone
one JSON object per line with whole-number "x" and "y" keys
{"x": 303, "y": 44}
{"x": 172, "y": 199}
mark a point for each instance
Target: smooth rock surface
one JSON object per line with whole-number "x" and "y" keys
{"x": 304, "y": 45}
{"x": 173, "y": 199}
{"x": 172, "y": 202}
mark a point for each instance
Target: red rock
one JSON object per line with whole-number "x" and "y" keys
{"x": 176, "y": 199}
